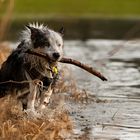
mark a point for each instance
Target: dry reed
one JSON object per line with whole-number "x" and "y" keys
{"x": 6, "y": 18}
{"x": 16, "y": 124}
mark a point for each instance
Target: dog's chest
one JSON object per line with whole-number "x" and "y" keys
{"x": 39, "y": 68}
{"x": 45, "y": 69}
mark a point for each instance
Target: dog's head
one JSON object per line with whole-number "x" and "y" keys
{"x": 47, "y": 40}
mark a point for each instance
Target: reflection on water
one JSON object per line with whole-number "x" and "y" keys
{"x": 121, "y": 91}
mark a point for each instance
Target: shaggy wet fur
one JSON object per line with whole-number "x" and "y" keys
{"x": 21, "y": 66}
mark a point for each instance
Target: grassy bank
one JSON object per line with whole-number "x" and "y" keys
{"x": 74, "y": 8}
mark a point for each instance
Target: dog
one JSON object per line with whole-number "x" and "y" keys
{"x": 28, "y": 75}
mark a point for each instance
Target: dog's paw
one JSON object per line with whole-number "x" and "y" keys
{"x": 32, "y": 113}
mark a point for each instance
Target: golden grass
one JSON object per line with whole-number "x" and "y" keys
{"x": 16, "y": 124}
{"x": 53, "y": 124}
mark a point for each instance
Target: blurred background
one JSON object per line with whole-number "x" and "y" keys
{"x": 103, "y": 33}
{"x": 83, "y": 19}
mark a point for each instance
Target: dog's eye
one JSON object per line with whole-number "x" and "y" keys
{"x": 47, "y": 44}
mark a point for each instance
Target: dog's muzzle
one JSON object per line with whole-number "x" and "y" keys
{"x": 56, "y": 56}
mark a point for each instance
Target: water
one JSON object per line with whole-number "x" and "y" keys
{"x": 120, "y": 95}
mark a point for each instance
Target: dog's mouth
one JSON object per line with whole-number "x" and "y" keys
{"x": 55, "y": 59}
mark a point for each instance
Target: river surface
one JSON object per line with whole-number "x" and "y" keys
{"x": 117, "y": 114}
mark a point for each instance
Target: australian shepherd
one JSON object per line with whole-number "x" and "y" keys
{"x": 28, "y": 75}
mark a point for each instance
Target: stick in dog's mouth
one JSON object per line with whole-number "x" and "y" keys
{"x": 70, "y": 61}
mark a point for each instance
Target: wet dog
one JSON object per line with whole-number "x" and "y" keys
{"x": 23, "y": 73}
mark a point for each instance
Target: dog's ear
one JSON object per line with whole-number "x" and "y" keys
{"x": 62, "y": 31}
{"x": 34, "y": 32}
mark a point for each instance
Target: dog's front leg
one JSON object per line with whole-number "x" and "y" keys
{"x": 45, "y": 98}
{"x": 32, "y": 96}
{"x": 33, "y": 87}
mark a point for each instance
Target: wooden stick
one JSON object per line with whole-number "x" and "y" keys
{"x": 70, "y": 61}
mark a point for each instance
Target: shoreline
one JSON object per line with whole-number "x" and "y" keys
{"x": 83, "y": 28}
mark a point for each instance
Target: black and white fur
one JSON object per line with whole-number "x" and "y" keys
{"x": 21, "y": 66}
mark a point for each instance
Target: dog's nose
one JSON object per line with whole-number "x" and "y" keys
{"x": 56, "y": 55}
